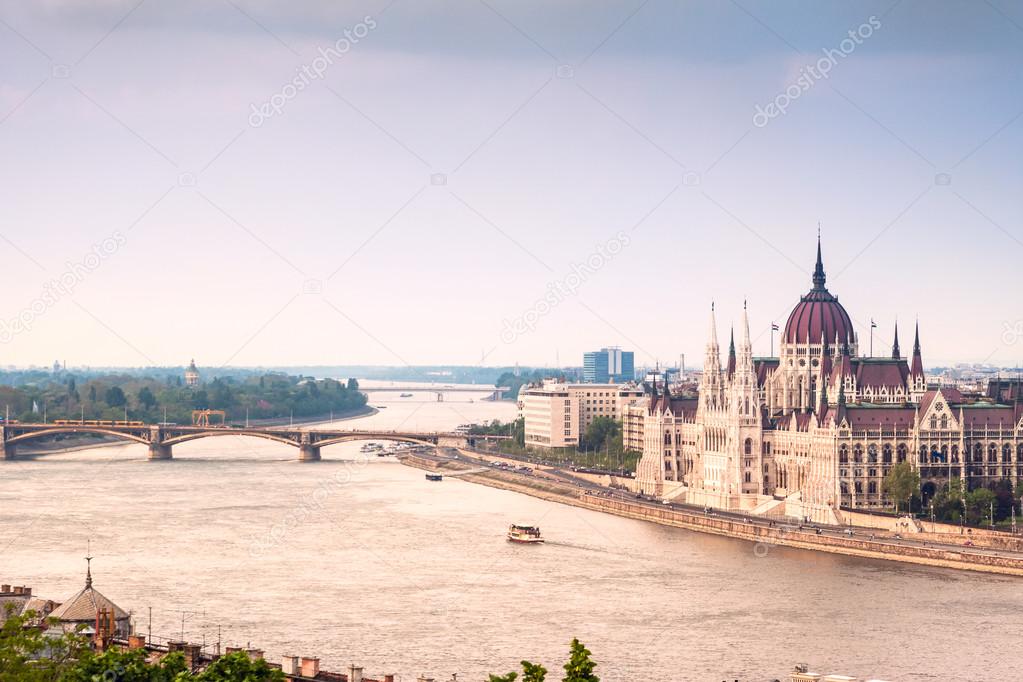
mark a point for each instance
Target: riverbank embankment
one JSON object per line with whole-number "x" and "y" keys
{"x": 764, "y": 535}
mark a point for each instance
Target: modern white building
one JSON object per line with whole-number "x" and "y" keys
{"x": 557, "y": 414}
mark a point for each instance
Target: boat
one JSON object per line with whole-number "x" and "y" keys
{"x": 524, "y": 534}
{"x": 405, "y": 395}
{"x": 434, "y": 477}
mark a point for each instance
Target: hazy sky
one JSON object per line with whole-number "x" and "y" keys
{"x": 202, "y": 182}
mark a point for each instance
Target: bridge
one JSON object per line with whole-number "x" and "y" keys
{"x": 161, "y": 438}
{"x": 495, "y": 392}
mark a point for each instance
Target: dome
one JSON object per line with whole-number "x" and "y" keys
{"x": 819, "y": 314}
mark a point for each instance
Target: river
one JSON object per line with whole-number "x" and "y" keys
{"x": 358, "y": 559}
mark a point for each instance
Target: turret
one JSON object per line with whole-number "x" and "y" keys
{"x": 917, "y": 369}
{"x": 731, "y": 354}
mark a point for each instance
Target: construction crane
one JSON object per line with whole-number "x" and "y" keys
{"x": 202, "y": 417}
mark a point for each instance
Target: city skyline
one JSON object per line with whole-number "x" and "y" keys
{"x": 451, "y": 178}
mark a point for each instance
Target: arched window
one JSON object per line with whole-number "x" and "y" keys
{"x": 1006, "y": 453}
{"x": 934, "y": 422}
{"x": 978, "y": 453}
{"x": 845, "y": 488}
{"x": 992, "y": 453}
{"x": 872, "y": 488}
{"x": 944, "y": 421}
{"x": 843, "y": 454}
{"x": 944, "y": 453}
{"x": 955, "y": 453}
{"x": 872, "y": 454}
{"x": 900, "y": 452}
{"x": 858, "y": 453}
{"x": 923, "y": 454}
{"x": 886, "y": 454}
{"x": 749, "y": 446}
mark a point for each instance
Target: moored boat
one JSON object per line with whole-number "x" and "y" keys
{"x": 434, "y": 477}
{"x": 525, "y": 534}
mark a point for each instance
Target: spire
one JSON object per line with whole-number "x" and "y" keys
{"x": 917, "y": 369}
{"x": 731, "y": 353}
{"x": 818, "y": 272}
{"x": 896, "y": 354}
{"x": 88, "y": 572}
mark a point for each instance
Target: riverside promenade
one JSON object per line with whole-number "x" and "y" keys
{"x": 986, "y": 552}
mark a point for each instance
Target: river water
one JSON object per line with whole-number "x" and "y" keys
{"x": 357, "y": 559}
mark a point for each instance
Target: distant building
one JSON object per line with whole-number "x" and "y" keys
{"x": 192, "y": 375}
{"x": 557, "y": 414}
{"x": 83, "y": 608}
{"x": 608, "y": 365}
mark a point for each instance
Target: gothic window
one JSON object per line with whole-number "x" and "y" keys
{"x": 978, "y": 453}
{"x": 955, "y": 453}
{"x": 1006, "y": 453}
{"x": 843, "y": 454}
{"x": 872, "y": 488}
{"x": 1019, "y": 454}
{"x": 859, "y": 488}
{"x": 858, "y": 453}
{"x": 886, "y": 454}
{"x": 944, "y": 453}
{"x": 944, "y": 421}
{"x": 934, "y": 422}
{"x": 992, "y": 453}
{"x": 667, "y": 438}
{"x": 749, "y": 447}
{"x": 845, "y": 488}
{"x": 900, "y": 452}
{"x": 923, "y": 454}
{"x": 872, "y": 453}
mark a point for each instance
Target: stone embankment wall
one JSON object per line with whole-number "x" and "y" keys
{"x": 779, "y": 535}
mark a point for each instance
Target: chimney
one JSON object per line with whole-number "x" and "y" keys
{"x": 27, "y": 591}
{"x": 354, "y": 673}
{"x": 289, "y": 665}
{"x": 388, "y": 678}
{"x": 173, "y": 646}
{"x": 136, "y": 642}
{"x": 254, "y": 654}
{"x": 17, "y": 589}
{"x": 232, "y": 650}
{"x": 310, "y": 666}
{"x": 192, "y": 652}
{"x": 5, "y": 589}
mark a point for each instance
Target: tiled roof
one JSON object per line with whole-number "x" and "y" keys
{"x": 875, "y": 417}
{"x": 84, "y": 606}
{"x": 876, "y": 373}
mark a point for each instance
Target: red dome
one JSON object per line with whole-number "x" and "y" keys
{"x": 819, "y": 314}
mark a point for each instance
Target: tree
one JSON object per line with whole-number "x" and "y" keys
{"x": 353, "y": 384}
{"x": 533, "y": 672}
{"x": 901, "y": 481}
{"x": 27, "y": 655}
{"x": 600, "y": 430}
{"x": 580, "y": 666}
{"x": 510, "y": 677}
{"x": 146, "y": 398}
{"x": 115, "y": 397}
{"x": 238, "y": 666}
{"x": 92, "y": 393}
{"x": 128, "y": 666}
{"x": 978, "y": 502}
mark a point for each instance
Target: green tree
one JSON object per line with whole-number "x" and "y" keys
{"x": 115, "y": 397}
{"x": 580, "y": 666}
{"x": 600, "y": 431}
{"x": 92, "y": 393}
{"x": 238, "y": 667}
{"x": 128, "y": 666}
{"x": 353, "y": 384}
{"x": 533, "y": 672}
{"x": 27, "y": 655}
{"x": 901, "y": 481}
{"x": 146, "y": 398}
{"x": 978, "y": 502}
{"x": 510, "y": 677}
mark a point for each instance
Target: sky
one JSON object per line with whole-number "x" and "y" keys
{"x": 391, "y": 182}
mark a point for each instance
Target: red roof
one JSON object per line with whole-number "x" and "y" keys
{"x": 875, "y": 417}
{"x": 882, "y": 373}
{"x": 819, "y": 315}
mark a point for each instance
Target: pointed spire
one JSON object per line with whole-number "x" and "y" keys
{"x": 731, "y": 353}
{"x": 917, "y": 370}
{"x": 818, "y": 273}
{"x": 88, "y": 572}
{"x": 896, "y": 354}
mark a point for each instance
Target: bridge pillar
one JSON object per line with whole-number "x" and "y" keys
{"x": 7, "y": 450}
{"x": 308, "y": 453}
{"x": 159, "y": 451}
